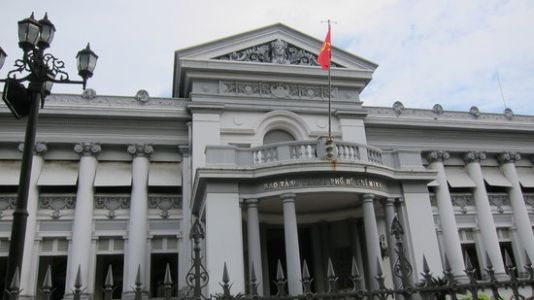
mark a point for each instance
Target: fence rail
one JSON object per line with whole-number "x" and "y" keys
{"x": 428, "y": 287}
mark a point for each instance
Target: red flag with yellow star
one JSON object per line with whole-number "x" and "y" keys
{"x": 326, "y": 52}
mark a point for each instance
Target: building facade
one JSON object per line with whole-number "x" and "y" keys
{"x": 118, "y": 181}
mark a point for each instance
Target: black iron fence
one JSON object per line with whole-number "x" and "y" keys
{"x": 445, "y": 286}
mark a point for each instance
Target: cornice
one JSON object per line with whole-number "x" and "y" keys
{"x": 421, "y": 118}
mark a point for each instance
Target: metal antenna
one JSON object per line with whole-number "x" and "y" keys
{"x": 500, "y": 88}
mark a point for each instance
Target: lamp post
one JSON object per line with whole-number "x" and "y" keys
{"x": 38, "y": 70}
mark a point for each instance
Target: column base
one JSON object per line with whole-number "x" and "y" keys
{"x": 131, "y": 295}
{"x": 26, "y": 297}
{"x": 83, "y": 296}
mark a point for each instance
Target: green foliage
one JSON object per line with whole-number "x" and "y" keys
{"x": 480, "y": 296}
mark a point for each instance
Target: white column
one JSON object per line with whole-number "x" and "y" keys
{"x": 224, "y": 238}
{"x": 371, "y": 237}
{"x": 451, "y": 239}
{"x": 519, "y": 209}
{"x": 253, "y": 239}
{"x": 291, "y": 237}
{"x": 486, "y": 223}
{"x": 137, "y": 225}
{"x": 30, "y": 261}
{"x": 82, "y": 229}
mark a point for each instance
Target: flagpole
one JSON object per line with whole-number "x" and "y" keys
{"x": 329, "y": 92}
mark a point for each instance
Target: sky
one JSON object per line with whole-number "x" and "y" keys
{"x": 435, "y": 51}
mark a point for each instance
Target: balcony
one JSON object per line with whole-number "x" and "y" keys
{"x": 288, "y": 152}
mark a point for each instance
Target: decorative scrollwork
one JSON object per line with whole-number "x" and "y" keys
{"x": 112, "y": 203}
{"x": 56, "y": 67}
{"x": 7, "y": 202}
{"x": 21, "y": 66}
{"x": 57, "y": 203}
{"x": 277, "y": 52}
{"x": 165, "y": 203}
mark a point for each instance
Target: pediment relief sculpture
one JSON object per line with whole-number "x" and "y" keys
{"x": 276, "y": 52}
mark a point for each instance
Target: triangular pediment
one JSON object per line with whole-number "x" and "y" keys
{"x": 277, "y": 44}
{"x": 266, "y": 54}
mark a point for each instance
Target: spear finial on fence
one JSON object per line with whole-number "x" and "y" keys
{"x": 14, "y": 287}
{"x": 427, "y": 275}
{"x": 355, "y": 275}
{"x": 225, "y": 281}
{"x": 332, "y": 278}
{"x": 46, "y": 287}
{"x": 253, "y": 281}
{"x": 167, "y": 282}
{"x": 280, "y": 280}
{"x": 108, "y": 284}
{"x": 138, "y": 289}
{"x": 306, "y": 279}
{"x": 528, "y": 266}
{"x": 77, "y": 293}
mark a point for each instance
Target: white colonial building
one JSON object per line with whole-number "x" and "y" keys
{"x": 119, "y": 180}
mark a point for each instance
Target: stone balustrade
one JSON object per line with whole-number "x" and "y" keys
{"x": 297, "y": 151}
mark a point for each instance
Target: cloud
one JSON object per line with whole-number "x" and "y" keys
{"x": 429, "y": 52}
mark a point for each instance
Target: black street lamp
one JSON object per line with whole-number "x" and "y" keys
{"x": 38, "y": 71}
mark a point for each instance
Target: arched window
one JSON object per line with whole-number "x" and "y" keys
{"x": 277, "y": 136}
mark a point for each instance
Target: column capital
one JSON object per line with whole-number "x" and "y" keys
{"x": 185, "y": 150}
{"x": 368, "y": 197}
{"x": 87, "y": 149}
{"x": 288, "y": 197}
{"x": 40, "y": 148}
{"x": 252, "y": 202}
{"x": 473, "y": 156}
{"x": 508, "y": 157}
{"x": 140, "y": 150}
{"x": 437, "y": 156}
{"x": 389, "y": 201}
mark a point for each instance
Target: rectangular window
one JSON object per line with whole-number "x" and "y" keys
{"x": 164, "y": 252}
{"x": 158, "y": 265}
{"x": 103, "y": 263}
{"x": 58, "y": 267}
{"x": 470, "y": 251}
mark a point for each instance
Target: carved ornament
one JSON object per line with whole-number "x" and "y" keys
{"x": 398, "y": 107}
{"x": 276, "y": 90}
{"x": 462, "y": 200}
{"x": 508, "y": 113}
{"x": 57, "y": 203}
{"x": 87, "y": 149}
{"x": 89, "y": 94}
{"x": 508, "y": 157}
{"x": 139, "y": 150}
{"x": 142, "y": 96}
{"x": 437, "y": 109}
{"x": 499, "y": 200}
{"x": 472, "y": 156}
{"x": 275, "y": 52}
{"x": 39, "y": 148}
{"x": 164, "y": 203}
{"x": 474, "y": 112}
{"x": 7, "y": 202}
{"x": 112, "y": 203}
{"x": 438, "y": 155}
